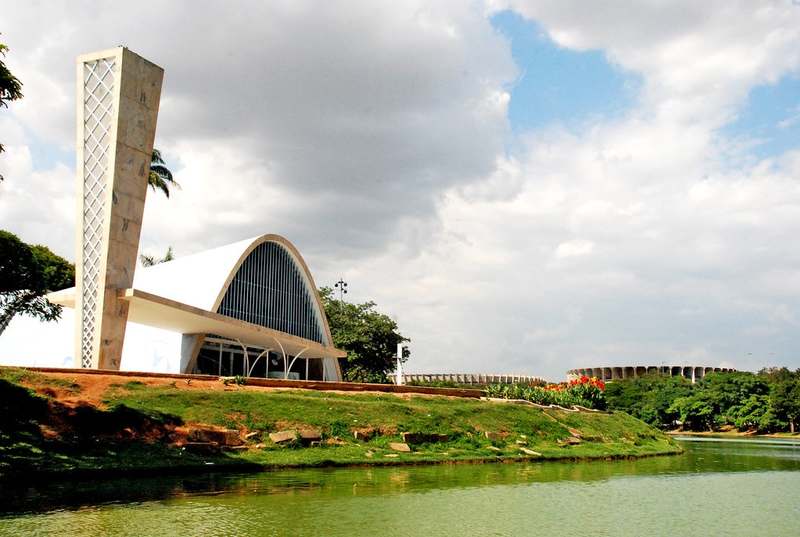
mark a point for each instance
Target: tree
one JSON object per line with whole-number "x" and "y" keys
{"x": 27, "y": 273}
{"x": 649, "y": 397}
{"x": 10, "y": 86}
{"x": 755, "y": 412}
{"x": 150, "y": 260}
{"x": 160, "y": 177}
{"x": 696, "y": 412}
{"x": 785, "y": 397}
{"x": 725, "y": 399}
{"x": 369, "y": 337}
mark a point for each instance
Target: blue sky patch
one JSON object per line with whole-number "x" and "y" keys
{"x": 557, "y": 85}
{"x": 772, "y": 116}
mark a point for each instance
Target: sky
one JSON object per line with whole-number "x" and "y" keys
{"x": 525, "y": 186}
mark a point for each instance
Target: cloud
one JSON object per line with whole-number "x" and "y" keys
{"x": 790, "y": 121}
{"x": 320, "y": 115}
{"x": 669, "y": 215}
{"x": 574, "y": 248}
{"x": 377, "y": 139}
{"x": 698, "y": 59}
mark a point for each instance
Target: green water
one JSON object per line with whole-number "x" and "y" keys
{"x": 717, "y": 487}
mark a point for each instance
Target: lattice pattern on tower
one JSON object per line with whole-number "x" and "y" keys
{"x": 98, "y": 109}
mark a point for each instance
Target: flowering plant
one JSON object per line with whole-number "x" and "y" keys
{"x": 584, "y": 391}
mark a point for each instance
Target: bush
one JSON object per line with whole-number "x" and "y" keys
{"x": 585, "y": 391}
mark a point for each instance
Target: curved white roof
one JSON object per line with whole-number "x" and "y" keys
{"x": 182, "y": 297}
{"x": 200, "y": 280}
{"x": 197, "y": 279}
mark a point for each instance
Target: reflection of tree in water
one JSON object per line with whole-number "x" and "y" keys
{"x": 336, "y": 483}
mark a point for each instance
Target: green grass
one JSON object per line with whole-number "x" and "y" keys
{"x": 337, "y": 415}
{"x": 32, "y": 378}
{"x": 464, "y": 420}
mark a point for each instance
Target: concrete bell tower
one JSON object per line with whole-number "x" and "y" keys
{"x": 118, "y": 98}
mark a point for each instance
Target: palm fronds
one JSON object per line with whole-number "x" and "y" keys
{"x": 160, "y": 177}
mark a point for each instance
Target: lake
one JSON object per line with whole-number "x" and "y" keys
{"x": 718, "y": 487}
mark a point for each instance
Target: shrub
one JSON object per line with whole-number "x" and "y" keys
{"x": 585, "y": 391}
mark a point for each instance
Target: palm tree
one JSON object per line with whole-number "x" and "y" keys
{"x": 160, "y": 177}
{"x": 150, "y": 260}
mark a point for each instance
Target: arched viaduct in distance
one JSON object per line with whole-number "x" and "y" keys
{"x": 693, "y": 373}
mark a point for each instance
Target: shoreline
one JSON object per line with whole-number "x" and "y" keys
{"x": 36, "y": 476}
{"x": 58, "y": 424}
{"x": 734, "y": 434}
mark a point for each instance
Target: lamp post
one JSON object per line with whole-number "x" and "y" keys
{"x": 341, "y": 286}
{"x": 399, "y": 370}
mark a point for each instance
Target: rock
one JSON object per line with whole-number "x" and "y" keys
{"x": 495, "y": 436}
{"x": 232, "y": 438}
{"x": 282, "y": 437}
{"x": 530, "y": 452}
{"x": 335, "y": 441}
{"x": 363, "y": 434}
{"x": 369, "y": 454}
{"x": 49, "y": 433}
{"x": 575, "y": 432}
{"x": 400, "y": 446}
{"x": 572, "y": 440}
{"x": 223, "y": 437}
{"x": 203, "y": 448}
{"x": 424, "y": 438}
{"x": 310, "y": 435}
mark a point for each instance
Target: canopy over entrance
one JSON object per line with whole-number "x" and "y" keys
{"x": 159, "y": 312}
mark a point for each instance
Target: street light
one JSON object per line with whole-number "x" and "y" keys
{"x": 341, "y": 285}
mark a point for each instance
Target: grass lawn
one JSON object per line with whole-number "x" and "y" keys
{"x": 38, "y": 433}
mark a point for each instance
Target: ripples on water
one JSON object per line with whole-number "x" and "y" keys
{"x": 715, "y": 488}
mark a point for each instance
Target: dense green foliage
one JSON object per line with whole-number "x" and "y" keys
{"x": 10, "y": 86}
{"x": 586, "y": 392}
{"x": 765, "y": 402}
{"x": 27, "y": 273}
{"x": 369, "y": 337}
{"x": 649, "y": 397}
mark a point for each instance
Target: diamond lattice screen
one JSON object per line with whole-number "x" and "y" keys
{"x": 98, "y": 104}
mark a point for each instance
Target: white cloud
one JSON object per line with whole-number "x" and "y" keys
{"x": 790, "y": 121}
{"x": 574, "y": 248}
{"x": 320, "y": 115}
{"x": 376, "y": 138}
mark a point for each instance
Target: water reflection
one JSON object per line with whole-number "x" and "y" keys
{"x": 701, "y": 456}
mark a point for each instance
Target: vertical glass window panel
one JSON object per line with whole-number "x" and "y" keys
{"x": 269, "y": 289}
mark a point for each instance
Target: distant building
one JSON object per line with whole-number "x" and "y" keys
{"x": 607, "y": 374}
{"x": 470, "y": 378}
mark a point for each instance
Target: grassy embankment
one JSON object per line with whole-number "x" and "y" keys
{"x": 45, "y": 427}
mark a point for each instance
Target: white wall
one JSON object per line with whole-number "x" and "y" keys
{"x": 30, "y": 342}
